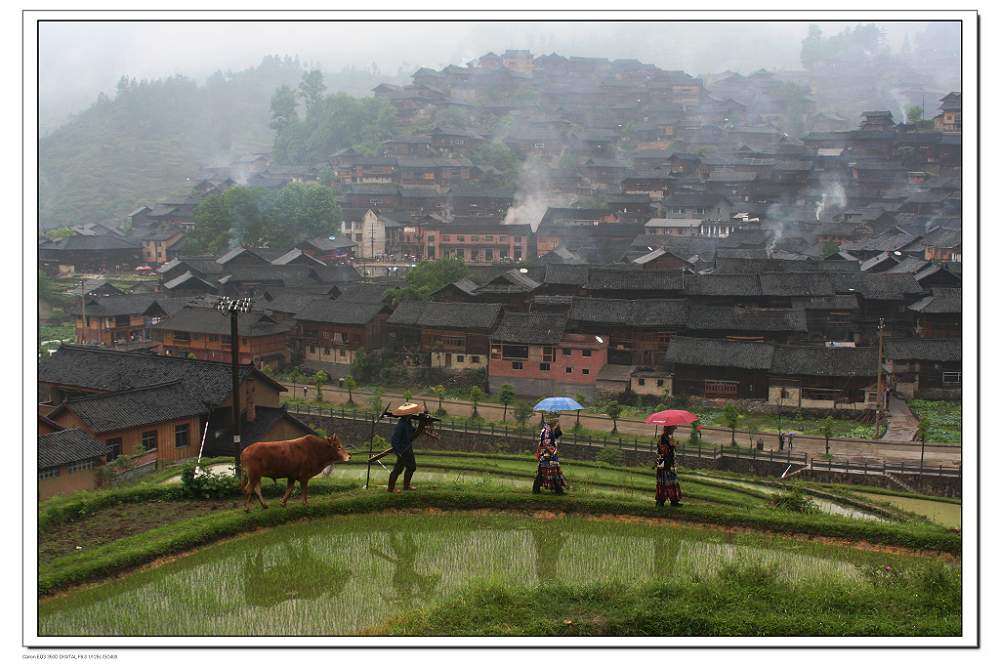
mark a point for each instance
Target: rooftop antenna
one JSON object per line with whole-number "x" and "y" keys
{"x": 235, "y": 307}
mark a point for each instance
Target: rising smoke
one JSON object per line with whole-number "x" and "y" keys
{"x": 534, "y": 195}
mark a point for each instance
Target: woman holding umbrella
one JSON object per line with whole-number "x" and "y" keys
{"x": 667, "y": 486}
{"x": 549, "y": 473}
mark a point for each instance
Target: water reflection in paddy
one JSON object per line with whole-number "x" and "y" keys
{"x": 342, "y": 575}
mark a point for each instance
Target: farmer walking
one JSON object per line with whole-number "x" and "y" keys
{"x": 549, "y": 473}
{"x": 402, "y": 445}
{"x": 667, "y": 486}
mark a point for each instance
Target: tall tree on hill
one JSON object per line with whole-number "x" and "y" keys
{"x": 311, "y": 89}
{"x": 283, "y": 111}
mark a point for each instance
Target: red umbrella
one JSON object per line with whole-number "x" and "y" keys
{"x": 671, "y": 418}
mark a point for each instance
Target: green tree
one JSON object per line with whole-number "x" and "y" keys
{"x": 914, "y": 114}
{"x": 283, "y": 111}
{"x": 211, "y": 233}
{"x": 731, "y": 418}
{"x": 311, "y": 89}
{"x": 506, "y": 396}
{"x": 498, "y": 163}
{"x": 350, "y": 384}
{"x": 476, "y": 395}
{"x": 613, "y": 410}
{"x": 830, "y": 248}
{"x": 522, "y": 413}
{"x": 826, "y": 428}
{"x": 294, "y": 376}
{"x": 439, "y": 391}
{"x": 320, "y": 378}
{"x": 407, "y": 396}
{"x": 428, "y": 277}
{"x": 375, "y": 401}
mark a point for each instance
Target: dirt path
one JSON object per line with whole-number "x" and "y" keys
{"x": 874, "y": 451}
{"x": 902, "y": 423}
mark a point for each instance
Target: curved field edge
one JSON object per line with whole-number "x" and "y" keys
{"x": 739, "y": 601}
{"x": 130, "y": 552}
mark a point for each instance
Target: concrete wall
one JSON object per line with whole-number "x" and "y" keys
{"x": 67, "y": 482}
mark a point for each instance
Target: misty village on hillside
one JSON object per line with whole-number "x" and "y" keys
{"x": 553, "y": 283}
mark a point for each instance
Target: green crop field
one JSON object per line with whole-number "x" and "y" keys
{"x": 352, "y": 574}
{"x": 474, "y": 552}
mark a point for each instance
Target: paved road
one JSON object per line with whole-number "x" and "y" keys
{"x": 857, "y": 450}
{"x": 902, "y": 423}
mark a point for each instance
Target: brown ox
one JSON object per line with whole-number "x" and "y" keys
{"x": 299, "y": 459}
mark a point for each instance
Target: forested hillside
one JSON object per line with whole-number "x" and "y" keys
{"x": 143, "y": 144}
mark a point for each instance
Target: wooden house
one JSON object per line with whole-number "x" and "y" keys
{"x": 452, "y": 336}
{"x": 117, "y": 320}
{"x": 926, "y": 367}
{"x": 716, "y": 368}
{"x": 831, "y": 378}
{"x": 204, "y": 333}
{"x": 535, "y": 354}
{"x": 68, "y": 460}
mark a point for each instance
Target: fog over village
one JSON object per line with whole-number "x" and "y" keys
{"x": 707, "y": 271}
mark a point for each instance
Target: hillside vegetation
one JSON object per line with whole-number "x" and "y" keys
{"x": 142, "y": 145}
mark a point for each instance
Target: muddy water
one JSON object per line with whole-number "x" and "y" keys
{"x": 945, "y": 514}
{"x": 339, "y": 576}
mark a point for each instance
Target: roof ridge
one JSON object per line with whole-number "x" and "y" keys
{"x": 112, "y": 394}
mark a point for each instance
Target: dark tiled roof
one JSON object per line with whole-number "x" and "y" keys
{"x": 714, "y": 284}
{"x": 337, "y": 273}
{"x": 924, "y": 349}
{"x": 633, "y": 280}
{"x": 370, "y": 293}
{"x": 531, "y": 328}
{"x": 101, "y": 369}
{"x": 723, "y": 353}
{"x": 111, "y": 306}
{"x": 79, "y": 242}
{"x": 941, "y": 300}
{"x": 68, "y": 446}
{"x": 795, "y": 284}
{"x": 824, "y": 361}
{"x": 738, "y": 318}
{"x": 339, "y": 312}
{"x": 637, "y": 313}
{"x": 153, "y": 405}
{"x": 211, "y": 321}
{"x": 877, "y": 286}
{"x": 566, "y": 274}
{"x": 835, "y": 302}
{"x": 442, "y": 315}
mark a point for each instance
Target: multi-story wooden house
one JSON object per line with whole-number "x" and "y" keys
{"x": 204, "y": 333}
{"x": 331, "y": 333}
{"x": 119, "y": 320}
{"x": 453, "y": 336}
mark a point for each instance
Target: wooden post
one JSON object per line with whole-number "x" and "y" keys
{"x": 878, "y": 375}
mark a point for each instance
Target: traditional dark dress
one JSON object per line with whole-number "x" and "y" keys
{"x": 549, "y": 473}
{"x": 667, "y": 486}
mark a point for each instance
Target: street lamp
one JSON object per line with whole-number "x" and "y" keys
{"x": 234, "y": 307}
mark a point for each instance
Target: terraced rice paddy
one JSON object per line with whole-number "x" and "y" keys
{"x": 942, "y": 513}
{"x": 340, "y": 576}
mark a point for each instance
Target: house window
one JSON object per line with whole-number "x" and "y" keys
{"x": 326, "y": 351}
{"x": 114, "y": 448}
{"x": 182, "y": 435}
{"x": 48, "y": 473}
{"x": 587, "y": 353}
{"x": 566, "y": 351}
{"x": 659, "y": 383}
{"x": 80, "y": 465}
{"x": 460, "y": 358}
{"x": 569, "y": 369}
{"x": 517, "y": 365}
{"x": 642, "y": 382}
{"x": 312, "y": 349}
{"x": 475, "y": 358}
{"x": 544, "y": 366}
{"x": 182, "y": 337}
{"x": 149, "y": 441}
{"x": 548, "y": 353}
{"x": 951, "y": 377}
{"x": 342, "y": 353}
{"x": 515, "y": 351}
{"x": 586, "y": 371}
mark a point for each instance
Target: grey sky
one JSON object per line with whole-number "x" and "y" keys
{"x": 78, "y": 60}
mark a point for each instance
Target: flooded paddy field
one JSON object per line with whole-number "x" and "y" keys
{"x": 345, "y": 575}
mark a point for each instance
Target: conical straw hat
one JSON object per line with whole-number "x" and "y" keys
{"x": 406, "y": 409}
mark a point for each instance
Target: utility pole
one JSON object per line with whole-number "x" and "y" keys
{"x": 234, "y": 307}
{"x": 878, "y": 374}
{"x": 83, "y": 313}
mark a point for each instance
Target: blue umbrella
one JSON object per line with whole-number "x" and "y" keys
{"x": 557, "y": 404}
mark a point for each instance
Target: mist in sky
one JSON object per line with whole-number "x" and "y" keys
{"x": 79, "y": 60}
